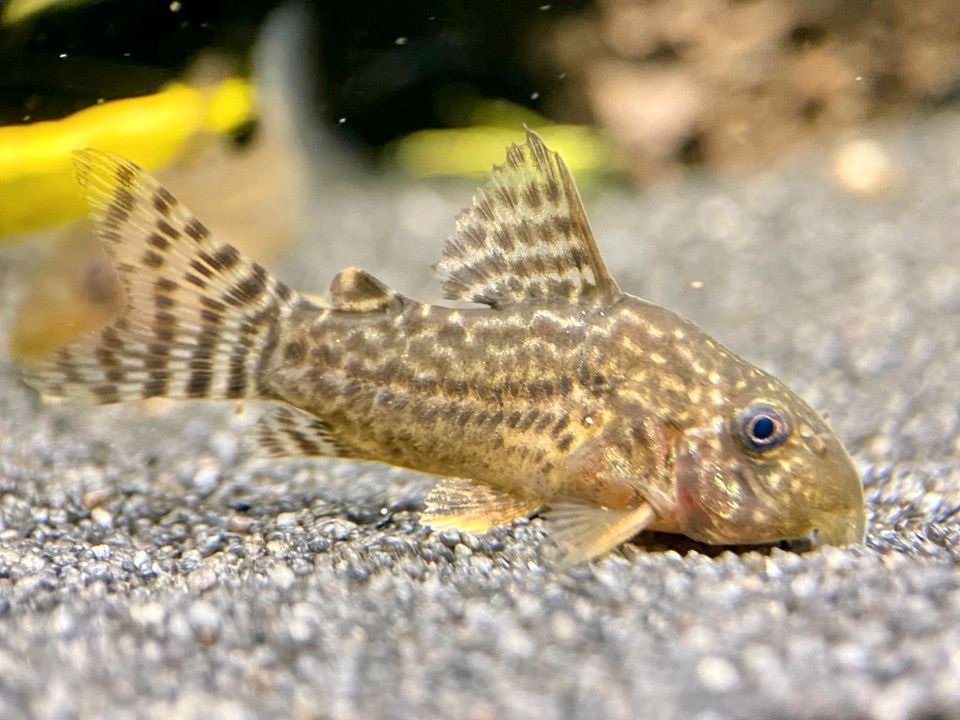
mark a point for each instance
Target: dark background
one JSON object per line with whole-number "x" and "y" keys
{"x": 118, "y": 49}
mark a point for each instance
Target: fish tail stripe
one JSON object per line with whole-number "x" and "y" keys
{"x": 199, "y": 320}
{"x": 284, "y": 431}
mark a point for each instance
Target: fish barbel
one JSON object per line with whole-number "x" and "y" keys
{"x": 561, "y": 394}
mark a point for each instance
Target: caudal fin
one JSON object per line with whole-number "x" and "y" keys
{"x": 200, "y": 320}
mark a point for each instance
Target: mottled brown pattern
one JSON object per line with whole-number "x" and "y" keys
{"x": 564, "y": 392}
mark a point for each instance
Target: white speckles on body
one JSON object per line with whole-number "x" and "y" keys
{"x": 774, "y": 480}
{"x": 514, "y": 323}
{"x": 630, "y": 346}
{"x": 565, "y": 321}
{"x": 446, "y": 353}
{"x": 730, "y": 490}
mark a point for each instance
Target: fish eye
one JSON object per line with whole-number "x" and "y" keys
{"x": 763, "y": 427}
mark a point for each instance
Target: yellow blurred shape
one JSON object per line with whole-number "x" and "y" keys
{"x": 473, "y": 150}
{"x": 36, "y": 181}
{"x": 230, "y": 105}
{"x": 500, "y": 113}
{"x": 72, "y": 289}
{"x": 490, "y": 126}
{"x": 17, "y": 10}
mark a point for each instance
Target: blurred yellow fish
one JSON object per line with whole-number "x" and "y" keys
{"x": 36, "y": 181}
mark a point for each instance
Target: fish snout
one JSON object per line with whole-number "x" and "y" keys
{"x": 830, "y": 498}
{"x": 843, "y": 520}
{"x": 836, "y": 530}
{"x": 747, "y": 502}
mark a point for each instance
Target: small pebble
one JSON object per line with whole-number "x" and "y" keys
{"x": 202, "y": 579}
{"x": 100, "y": 552}
{"x": 205, "y": 620}
{"x": 863, "y": 167}
{"x": 450, "y": 538}
{"x": 282, "y": 576}
{"x": 287, "y": 519}
{"x": 718, "y": 674}
{"x": 102, "y": 517}
{"x": 206, "y": 477}
{"x": 239, "y": 524}
{"x": 151, "y": 613}
{"x": 97, "y": 497}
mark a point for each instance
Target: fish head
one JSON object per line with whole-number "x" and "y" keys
{"x": 763, "y": 466}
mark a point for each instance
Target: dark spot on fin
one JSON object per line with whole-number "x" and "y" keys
{"x": 357, "y": 290}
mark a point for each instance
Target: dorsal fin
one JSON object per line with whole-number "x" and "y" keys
{"x": 526, "y": 236}
{"x": 357, "y": 290}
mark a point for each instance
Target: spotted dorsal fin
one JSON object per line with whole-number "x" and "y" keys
{"x": 359, "y": 291}
{"x": 526, "y": 237}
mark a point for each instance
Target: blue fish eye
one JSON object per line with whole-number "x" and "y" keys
{"x": 763, "y": 427}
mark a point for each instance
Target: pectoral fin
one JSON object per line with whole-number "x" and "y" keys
{"x": 460, "y": 504}
{"x": 584, "y": 531}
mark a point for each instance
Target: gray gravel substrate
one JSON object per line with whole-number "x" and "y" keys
{"x": 147, "y": 570}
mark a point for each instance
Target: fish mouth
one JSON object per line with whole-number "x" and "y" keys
{"x": 844, "y": 523}
{"x": 841, "y": 530}
{"x": 833, "y": 512}
{"x": 836, "y": 530}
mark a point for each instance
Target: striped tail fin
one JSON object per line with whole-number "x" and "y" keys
{"x": 200, "y": 320}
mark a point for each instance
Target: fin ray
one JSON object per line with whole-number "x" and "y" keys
{"x": 199, "y": 319}
{"x": 284, "y": 431}
{"x": 584, "y": 531}
{"x": 359, "y": 291}
{"x": 455, "y": 503}
{"x": 526, "y": 236}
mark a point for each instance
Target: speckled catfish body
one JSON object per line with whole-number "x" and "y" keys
{"x": 562, "y": 393}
